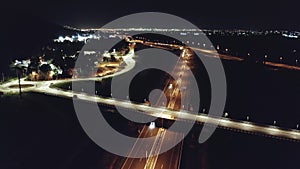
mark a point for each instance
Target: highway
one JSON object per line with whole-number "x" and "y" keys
{"x": 169, "y": 159}
{"x": 144, "y": 149}
{"x": 154, "y": 158}
{"x": 161, "y": 112}
{"x": 208, "y": 53}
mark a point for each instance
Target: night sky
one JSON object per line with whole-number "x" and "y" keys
{"x": 247, "y": 14}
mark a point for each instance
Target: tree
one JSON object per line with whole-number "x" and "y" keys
{"x": 45, "y": 69}
{"x": 34, "y": 64}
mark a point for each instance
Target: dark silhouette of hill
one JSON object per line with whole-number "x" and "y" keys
{"x": 23, "y": 36}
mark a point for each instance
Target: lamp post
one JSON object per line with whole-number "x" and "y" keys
{"x": 2, "y": 77}
{"x": 18, "y": 70}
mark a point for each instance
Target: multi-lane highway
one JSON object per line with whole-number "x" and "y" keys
{"x": 154, "y": 158}
{"x": 208, "y": 53}
{"x": 169, "y": 159}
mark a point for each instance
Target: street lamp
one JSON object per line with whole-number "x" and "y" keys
{"x": 152, "y": 125}
{"x": 170, "y": 86}
{"x": 264, "y": 61}
{"x": 226, "y": 114}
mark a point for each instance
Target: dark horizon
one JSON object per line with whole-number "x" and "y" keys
{"x": 206, "y": 15}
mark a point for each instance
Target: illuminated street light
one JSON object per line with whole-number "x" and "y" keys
{"x": 247, "y": 118}
{"x": 170, "y": 86}
{"x": 274, "y": 122}
{"x": 226, "y": 114}
{"x": 152, "y": 125}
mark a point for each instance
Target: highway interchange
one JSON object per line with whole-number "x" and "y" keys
{"x": 169, "y": 113}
